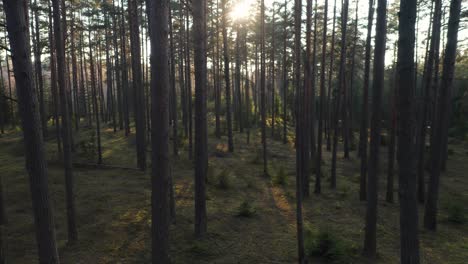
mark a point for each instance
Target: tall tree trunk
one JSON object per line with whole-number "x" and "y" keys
{"x": 370, "y": 242}
{"x": 341, "y": 89}
{"x": 66, "y": 137}
{"x": 427, "y": 84}
{"x": 201, "y": 135}
{"x": 273, "y": 49}
{"x": 160, "y": 178}
{"x": 36, "y": 164}
{"x": 392, "y": 130}
{"x": 188, "y": 73}
{"x": 110, "y": 81}
{"x": 217, "y": 76}
{"x": 262, "y": 85}
{"x": 38, "y": 68}
{"x": 226, "y": 75}
{"x": 124, "y": 68}
{"x": 138, "y": 89}
{"x": 285, "y": 73}
{"x": 53, "y": 79}
{"x": 238, "y": 82}
{"x": 175, "y": 143}
{"x": 430, "y": 213}
{"x": 363, "y": 135}
{"x": 343, "y": 85}
{"x": 74, "y": 72}
{"x": 297, "y": 79}
{"x": 95, "y": 99}
{"x": 405, "y": 88}
{"x": 318, "y": 166}
{"x": 330, "y": 78}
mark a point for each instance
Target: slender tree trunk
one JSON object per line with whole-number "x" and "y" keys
{"x": 138, "y": 88}
{"x": 38, "y": 68}
{"x": 95, "y": 99}
{"x": 53, "y": 79}
{"x": 226, "y": 75}
{"x": 217, "y": 76}
{"x": 343, "y": 85}
{"x": 330, "y": 78}
{"x": 370, "y": 242}
{"x": 363, "y": 136}
{"x": 160, "y": 89}
{"x": 427, "y": 84}
{"x": 188, "y": 72}
{"x": 262, "y": 85}
{"x": 66, "y": 137}
{"x": 297, "y": 50}
{"x": 36, "y": 164}
{"x": 285, "y": 73}
{"x": 430, "y": 213}
{"x": 341, "y": 88}
{"x": 392, "y": 133}
{"x": 273, "y": 72}
{"x": 405, "y": 87}
{"x": 124, "y": 68}
{"x": 318, "y": 166}
{"x": 201, "y": 135}
{"x": 175, "y": 139}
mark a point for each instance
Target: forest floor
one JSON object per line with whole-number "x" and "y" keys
{"x": 113, "y": 206}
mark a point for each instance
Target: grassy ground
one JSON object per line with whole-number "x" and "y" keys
{"x": 114, "y": 218}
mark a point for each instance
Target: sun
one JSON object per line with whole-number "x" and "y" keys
{"x": 241, "y": 10}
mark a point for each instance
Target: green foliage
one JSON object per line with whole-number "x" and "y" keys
{"x": 281, "y": 178}
{"x": 450, "y": 152}
{"x": 258, "y": 158}
{"x": 87, "y": 147}
{"x": 456, "y": 213}
{"x": 327, "y": 246}
{"x": 224, "y": 180}
{"x": 246, "y": 209}
{"x": 344, "y": 191}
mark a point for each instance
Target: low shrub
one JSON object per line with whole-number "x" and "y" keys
{"x": 246, "y": 209}
{"x": 326, "y": 245}
{"x": 281, "y": 178}
{"x": 456, "y": 214}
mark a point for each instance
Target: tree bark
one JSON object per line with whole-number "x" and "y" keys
{"x": 201, "y": 135}
{"x": 405, "y": 89}
{"x": 430, "y": 213}
{"x": 138, "y": 90}
{"x": 66, "y": 137}
{"x": 363, "y": 135}
{"x": 33, "y": 140}
{"x": 370, "y": 242}
{"x": 160, "y": 178}
{"x": 226, "y": 75}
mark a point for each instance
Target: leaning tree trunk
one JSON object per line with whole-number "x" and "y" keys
{"x": 370, "y": 242}
{"x": 430, "y": 213}
{"x": 36, "y": 164}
